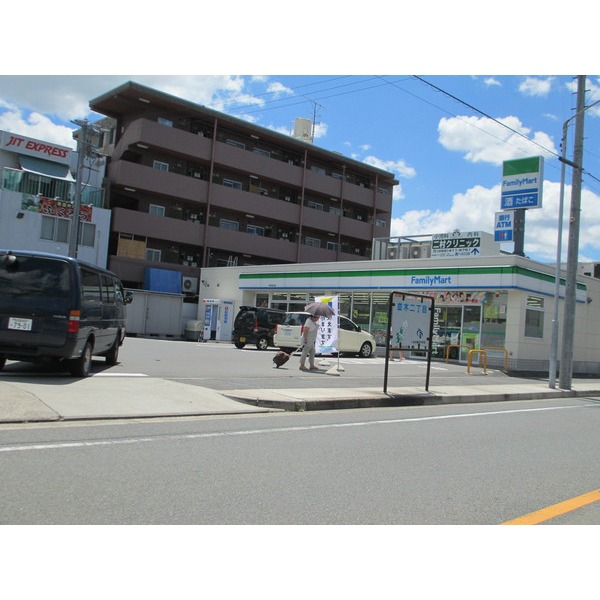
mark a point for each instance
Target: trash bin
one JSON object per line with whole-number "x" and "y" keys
{"x": 193, "y": 331}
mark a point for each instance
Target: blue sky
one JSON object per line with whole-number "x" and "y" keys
{"x": 446, "y": 145}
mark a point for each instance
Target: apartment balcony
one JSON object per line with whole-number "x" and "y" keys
{"x": 143, "y": 134}
{"x": 161, "y": 228}
{"x": 238, "y": 242}
{"x": 142, "y": 178}
{"x": 254, "y": 204}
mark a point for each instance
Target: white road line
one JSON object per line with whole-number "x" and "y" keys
{"x": 197, "y": 436}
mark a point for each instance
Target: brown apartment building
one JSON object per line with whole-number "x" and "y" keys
{"x": 191, "y": 187}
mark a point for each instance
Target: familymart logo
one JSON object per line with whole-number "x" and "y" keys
{"x": 431, "y": 280}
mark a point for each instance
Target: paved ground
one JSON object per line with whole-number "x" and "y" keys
{"x": 103, "y": 397}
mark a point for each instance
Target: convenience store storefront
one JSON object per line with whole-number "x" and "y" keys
{"x": 503, "y": 301}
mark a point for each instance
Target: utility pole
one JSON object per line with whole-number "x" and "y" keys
{"x": 566, "y": 358}
{"x": 84, "y": 149}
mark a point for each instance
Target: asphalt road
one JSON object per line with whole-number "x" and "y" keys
{"x": 221, "y": 366}
{"x": 483, "y": 465}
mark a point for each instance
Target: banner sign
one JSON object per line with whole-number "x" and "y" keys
{"x": 54, "y": 208}
{"x": 328, "y": 328}
{"x": 455, "y": 244}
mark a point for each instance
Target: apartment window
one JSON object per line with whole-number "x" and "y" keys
{"x": 54, "y": 229}
{"x": 228, "y": 224}
{"x": 161, "y": 166}
{"x": 236, "y": 144}
{"x": 314, "y": 242}
{"x": 315, "y": 205}
{"x": 380, "y": 223}
{"x": 383, "y": 191}
{"x": 153, "y": 254}
{"x": 236, "y": 185}
{"x": 157, "y": 210}
{"x": 255, "y": 230}
{"x": 87, "y": 234}
{"x": 332, "y": 245}
{"x": 316, "y": 169}
{"x": 166, "y": 122}
{"x": 337, "y": 176}
{"x": 534, "y": 317}
{"x": 262, "y": 152}
{"x": 334, "y": 210}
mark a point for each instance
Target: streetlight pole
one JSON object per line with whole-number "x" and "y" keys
{"x": 566, "y": 359}
{"x": 81, "y": 150}
{"x": 555, "y": 323}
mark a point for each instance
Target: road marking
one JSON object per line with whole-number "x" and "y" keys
{"x": 545, "y": 514}
{"x": 119, "y": 375}
{"x": 195, "y": 436}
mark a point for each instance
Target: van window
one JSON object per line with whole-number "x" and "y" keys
{"x": 108, "y": 289}
{"x": 90, "y": 285}
{"x": 30, "y": 278}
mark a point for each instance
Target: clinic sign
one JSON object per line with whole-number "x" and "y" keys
{"x": 522, "y": 181}
{"x": 455, "y": 244}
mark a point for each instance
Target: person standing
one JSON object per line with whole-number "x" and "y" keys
{"x": 309, "y": 338}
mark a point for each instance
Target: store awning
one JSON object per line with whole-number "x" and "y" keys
{"x": 45, "y": 167}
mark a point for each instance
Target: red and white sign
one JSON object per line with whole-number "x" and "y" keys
{"x": 13, "y": 142}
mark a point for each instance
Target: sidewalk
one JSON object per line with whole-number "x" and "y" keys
{"x": 51, "y": 399}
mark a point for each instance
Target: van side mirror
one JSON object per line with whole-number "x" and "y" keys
{"x": 128, "y": 297}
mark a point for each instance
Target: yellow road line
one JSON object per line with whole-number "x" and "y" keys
{"x": 545, "y": 514}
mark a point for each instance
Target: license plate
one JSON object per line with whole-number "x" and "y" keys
{"x": 21, "y": 324}
{"x": 286, "y": 332}
{"x": 242, "y": 339}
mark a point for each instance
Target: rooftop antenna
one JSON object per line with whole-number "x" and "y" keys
{"x": 314, "y": 119}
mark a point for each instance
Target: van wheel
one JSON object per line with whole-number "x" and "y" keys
{"x": 366, "y": 350}
{"x": 112, "y": 356}
{"x": 82, "y": 366}
{"x": 239, "y": 345}
{"x": 2, "y": 362}
{"x": 263, "y": 343}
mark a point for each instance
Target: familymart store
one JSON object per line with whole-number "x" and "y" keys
{"x": 503, "y": 301}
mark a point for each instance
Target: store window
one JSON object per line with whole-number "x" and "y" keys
{"x": 379, "y": 317}
{"x": 534, "y": 317}
{"x": 361, "y": 308}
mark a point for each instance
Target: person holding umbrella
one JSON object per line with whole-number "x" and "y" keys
{"x": 309, "y": 339}
{"x": 310, "y": 332}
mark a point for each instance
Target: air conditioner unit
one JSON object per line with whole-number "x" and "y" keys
{"x": 190, "y": 285}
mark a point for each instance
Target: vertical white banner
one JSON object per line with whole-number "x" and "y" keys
{"x": 328, "y": 328}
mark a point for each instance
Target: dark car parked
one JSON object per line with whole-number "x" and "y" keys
{"x": 57, "y": 308}
{"x": 254, "y": 325}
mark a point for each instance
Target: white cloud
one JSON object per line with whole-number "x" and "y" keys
{"x": 474, "y": 211}
{"x": 483, "y": 140}
{"x": 536, "y": 86}
{"x": 278, "y": 89}
{"x": 36, "y": 126}
{"x": 489, "y": 81}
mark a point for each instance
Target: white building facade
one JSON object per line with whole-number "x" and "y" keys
{"x": 37, "y": 190}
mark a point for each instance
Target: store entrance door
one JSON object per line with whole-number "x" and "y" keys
{"x": 458, "y": 326}
{"x": 471, "y": 330}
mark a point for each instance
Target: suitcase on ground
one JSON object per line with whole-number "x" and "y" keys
{"x": 281, "y": 358}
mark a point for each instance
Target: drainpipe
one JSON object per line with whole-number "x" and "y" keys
{"x": 339, "y": 236}
{"x": 209, "y": 195}
{"x": 299, "y": 241}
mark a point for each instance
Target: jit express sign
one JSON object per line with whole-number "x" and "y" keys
{"x": 24, "y": 145}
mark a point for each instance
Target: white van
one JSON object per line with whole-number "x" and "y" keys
{"x": 351, "y": 338}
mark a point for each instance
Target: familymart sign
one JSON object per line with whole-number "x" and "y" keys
{"x": 522, "y": 183}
